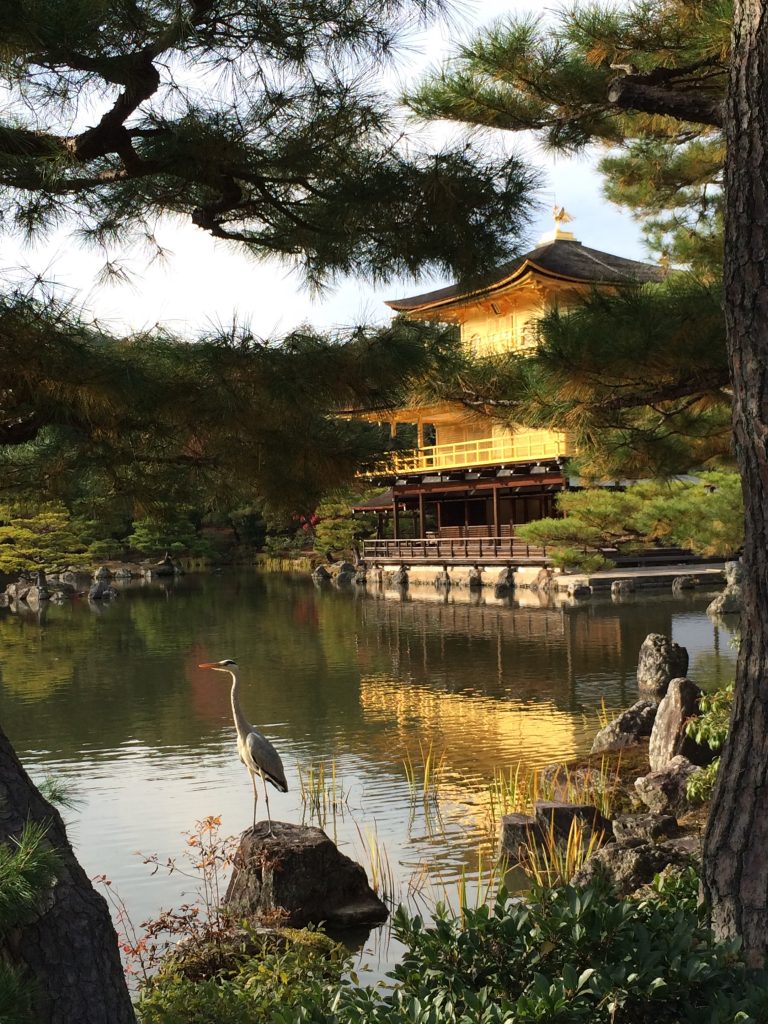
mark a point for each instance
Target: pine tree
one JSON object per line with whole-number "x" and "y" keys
{"x": 140, "y": 424}
{"x": 574, "y": 78}
{"x": 259, "y": 123}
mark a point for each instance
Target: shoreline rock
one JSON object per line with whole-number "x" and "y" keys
{"x": 300, "y": 876}
{"x": 669, "y": 735}
{"x": 630, "y": 727}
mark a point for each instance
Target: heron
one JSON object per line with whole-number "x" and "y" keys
{"x": 256, "y": 752}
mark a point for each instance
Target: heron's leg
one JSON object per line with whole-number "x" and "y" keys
{"x": 255, "y": 796}
{"x": 266, "y": 797}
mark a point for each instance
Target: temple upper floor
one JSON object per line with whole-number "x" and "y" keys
{"x": 500, "y": 313}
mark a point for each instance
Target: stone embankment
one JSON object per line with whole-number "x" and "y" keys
{"x": 652, "y": 831}
{"x": 34, "y": 590}
{"x": 501, "y": 581}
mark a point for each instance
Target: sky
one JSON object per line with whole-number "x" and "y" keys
{"x": 205, "y": 283}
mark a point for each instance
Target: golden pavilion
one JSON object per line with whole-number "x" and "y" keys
{"x": 470, "y": 480}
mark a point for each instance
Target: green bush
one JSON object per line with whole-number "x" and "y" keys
{"x": 256, "y": 986}
{"x": 337, "y": 530}
{"x": 710, "y": 729}
{"x": 562, "y": 955}
{"x": 177, "y": 534}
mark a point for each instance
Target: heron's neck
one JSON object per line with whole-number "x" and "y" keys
{"x": 241, "y": 723}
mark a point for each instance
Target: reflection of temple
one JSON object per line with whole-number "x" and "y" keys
{"x": 569, "y": 656}
{"x": 492, "y": 687}
{"x": 471, "y": 480}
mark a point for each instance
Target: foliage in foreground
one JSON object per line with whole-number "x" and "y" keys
{"x": 272, "y": 983}
{"x": 710, "y": 728}
{"x": 28, "y": 869}
{"x": 705, "y": 515}
{"x": 576, "y": 956}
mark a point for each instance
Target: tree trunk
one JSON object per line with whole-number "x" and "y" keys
{"x": 735, "y": 877}
{"x": 70, "y": 951}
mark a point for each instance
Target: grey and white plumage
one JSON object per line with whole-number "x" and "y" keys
{"x": 256, "y": 752}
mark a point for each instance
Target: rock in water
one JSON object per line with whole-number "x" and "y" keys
{"x": 734, "y": 574}
{"x": 622, "y": 588}
{"x": 400, "y": 579}
{"x": 669, "y": 736}
{"x": 729, "y": 602}
{"x": 556, "y": 817}
{"x": 660, "y": 660}
{"x": 475, "y": 578}
{"x": 300, "y": 874}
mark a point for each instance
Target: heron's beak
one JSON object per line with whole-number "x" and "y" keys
{"x": 208, "y": 664}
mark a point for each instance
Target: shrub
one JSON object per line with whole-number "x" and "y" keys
{"x": 266, "y": 984}
{"x": 562, "y": 955}
{"x": 709, "y": 728}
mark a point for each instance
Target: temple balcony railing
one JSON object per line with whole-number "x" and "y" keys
{"x": 507, "y": 550}
{"x": 523, "y": 446}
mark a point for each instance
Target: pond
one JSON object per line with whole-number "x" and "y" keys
{"x": 111, "y": 700}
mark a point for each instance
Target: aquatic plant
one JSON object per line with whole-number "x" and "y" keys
{"x": 323, "y": 794}
{"x": 550, "y": 861}
{"x": 425, "y": 777}
{"x": 379, "y": 868}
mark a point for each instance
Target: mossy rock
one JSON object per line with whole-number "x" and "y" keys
{"x": 222, "y": 956}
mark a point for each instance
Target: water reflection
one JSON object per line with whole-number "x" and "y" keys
{"x": 115, "y": 702}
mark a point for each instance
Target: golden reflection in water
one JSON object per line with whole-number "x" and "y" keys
{"x": 473, "y": 736}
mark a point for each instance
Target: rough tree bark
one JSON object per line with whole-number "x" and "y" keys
{"x": 735, "y": 879}
{"x": 70, "y": 951}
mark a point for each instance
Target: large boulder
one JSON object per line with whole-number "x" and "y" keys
{"x": 505, "y": 581}
{"x": 664, "y": 791}
{"x": 660, "y": 660}
{"x": 630, "y": 864}
{"x": 298, "y": 875}
{"x": 321, "y": 574}
{"x": 648, "y": 827}
{"x": 103, "y": 573}
{"x": 668, "y": 736}
{"x": 35, "y": 596}
{"x": 630, "y": 727}
{"x": 729, "y": 602}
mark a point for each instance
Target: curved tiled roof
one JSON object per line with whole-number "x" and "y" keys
{"x": 562, "y": 258}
